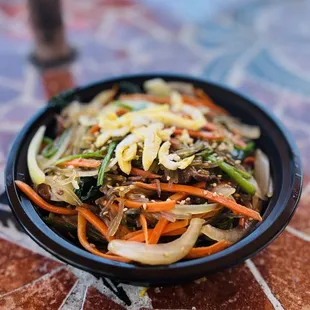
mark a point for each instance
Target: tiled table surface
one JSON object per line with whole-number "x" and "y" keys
{"x": 261, "y": 48}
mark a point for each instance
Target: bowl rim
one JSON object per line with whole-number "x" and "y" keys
{"x": 265, "y": 233}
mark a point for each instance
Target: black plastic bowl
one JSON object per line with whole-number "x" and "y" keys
{"x": 275, "y": 142}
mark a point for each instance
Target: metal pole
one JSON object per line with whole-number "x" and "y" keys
{"x": 46, "y": 20}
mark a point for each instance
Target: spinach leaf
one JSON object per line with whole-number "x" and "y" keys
{"x": 88, "y": 191}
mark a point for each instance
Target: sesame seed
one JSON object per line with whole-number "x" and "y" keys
{"x": 188, "y": 199}
{"x": 205, "y": 192}
{"x": 238, "y": 161}
{"x": 153, "y": 200}
{"x": 142, "y": 196}
{"x": 144, "y": 206}
{"x": 168, "y": 178}
{"x": 92, "y": 245}
{"x": 121, "y": 189}
{"x": 214, "y": 194}
{"x": 228, "y": 156}
{"x": 54, "y": 177}
{"x": 125, "y": 209}
{"x": 219, "y": 175}
{"x": 214, "y": 184}
{"x": 168, "y": 199}
{"x": 182, "y": 202}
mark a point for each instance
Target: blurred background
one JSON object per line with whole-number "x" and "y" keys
{"x": 258, "y": 47}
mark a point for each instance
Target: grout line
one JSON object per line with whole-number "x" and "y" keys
{"x": 68, "y": 295}
{"x": 266, "y": 289}
{"x": 84, "y": 297}
{"x": 298, "y": 233}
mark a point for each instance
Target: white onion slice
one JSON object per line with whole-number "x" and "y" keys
{"x": 182, "y": 87}
{"x": 270, "y": 189}
{"x": 172, "y": 217}
{"x": 157, "y": 87}
{"x": 36, "y": 174}
{"x": 60, "y": 192}
{"x": 58, "y": 154}
{"x": 262, "y": 172}
{"x": 225, "y": 190}
{"x": 194, "y": 209}
{"x": 231, "y": 235}
{"x": 159, "y": 254}
{"x": 117, "y": 219}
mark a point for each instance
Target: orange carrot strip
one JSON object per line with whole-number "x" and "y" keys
{"x": 161, "y": 100}
{"x": 158, "y": 230}
{"x": 194, "y": 101}
{"x": 144, "y": 228}
{"x": 242, "y": 222}
{"x": 178, "y": 196}
{"x": 40, "y": 202}
{"x": 249, "y": 160}
{"x": 208, "y": 250}
{"x": 191, "y": 190}
{"x": 131, "y": 234}
{"x": 122, "y": 111}
{"x": 238, "y": 141}
{"x": 181, "y": 195}
{"x": 81, "y": 230}
{"x": 175, "y": 225}
{"x": 201, "y": 184}
{"x": 208, "y": 102}
{"x": 176, "y": 232}
{"x": 210, "y": 127}
{"x": 151, "y": 206}
{"x": 145, "y": 174}
{"x": 82, "y": 163}
{"x": 95, "y": 221}
{"x": 94, "y": 129}
{"x": 140, "y": 237}
{"x": 204, "y": 135}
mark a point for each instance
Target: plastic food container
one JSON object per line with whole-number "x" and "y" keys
{"x": 275, "y": 141}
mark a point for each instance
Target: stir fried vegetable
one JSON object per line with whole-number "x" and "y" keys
{"x": 152, "y": 177}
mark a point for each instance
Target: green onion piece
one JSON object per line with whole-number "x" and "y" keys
{"x": 47, "y": 140}
{"x": 135, "y": 106}
{"x": 50, "y": 150}
{"x": 207, "y": 154}
{"x": 125, "y": 105}
{"x": 245, "y": 174}
{"x": 105, "y": 162}
{"x": 237, "y": 177}
{"x": 249, "y": 148}
{"x": 85, "y": 155}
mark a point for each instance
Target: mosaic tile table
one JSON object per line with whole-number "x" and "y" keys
{"x": 261, "y": 48}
